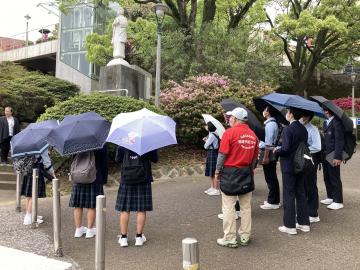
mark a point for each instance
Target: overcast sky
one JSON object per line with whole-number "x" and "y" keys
{"x": 12, "y": 21}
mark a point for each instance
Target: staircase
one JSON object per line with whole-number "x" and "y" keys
{"x": 7, "y": 177}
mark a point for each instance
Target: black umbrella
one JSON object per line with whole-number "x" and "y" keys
{"x": 254, "y": 123}
{"x": 79, "y": 133}
{"x": 280, "y": 113}
{"x": 337, "y": 111}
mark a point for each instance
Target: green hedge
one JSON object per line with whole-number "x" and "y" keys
{"x": 106, "y": 105}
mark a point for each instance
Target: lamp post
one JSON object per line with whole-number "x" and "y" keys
{"x": 159, "y": 10}
{"x": 27, "y": 17}
{"x": 353, "y": 78}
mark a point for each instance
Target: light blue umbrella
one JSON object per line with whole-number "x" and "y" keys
{"x": 31, "y": 140}
{"x": 142, "y": 131}
{"x": 294, "y": 101}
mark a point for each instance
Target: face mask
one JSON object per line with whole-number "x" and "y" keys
{"x": 301, "y": 121}
{"x": 264, "y": 114}
{"x": 287, "y": 117}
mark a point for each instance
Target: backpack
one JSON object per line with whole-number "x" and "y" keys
{"x": 83, "y": 168}
{"x": 302, "y": 160}
{"x": 24, "y": 165}
{"x": 349, "y": 145}
{"x": 132, "y": 170}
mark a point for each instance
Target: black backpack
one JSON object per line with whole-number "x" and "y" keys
{"x": 302, "y": 160}
{"x": 132, "y": 170}
{"x": 349, "y": 145}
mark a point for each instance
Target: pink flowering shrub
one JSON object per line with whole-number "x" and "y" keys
{"x": 185, "y": 102}
{"x": 346, "y": 103}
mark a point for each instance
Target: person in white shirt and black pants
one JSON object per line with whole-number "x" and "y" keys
{"x": 9, "y": 126}
{"x": 314, "y": 144}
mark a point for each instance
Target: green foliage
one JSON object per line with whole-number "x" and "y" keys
{"x": 99, "y": 49}
{"x": 29, "y": 93}
{"x": 186, "y": 102}
{"x": 106, "y": 105}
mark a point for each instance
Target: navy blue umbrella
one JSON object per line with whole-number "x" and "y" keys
{"x": 294, "y": 101}
{"x": 261, "y": 104}
{"x": 31, "y": 140}
{"x": 79, "y": 133}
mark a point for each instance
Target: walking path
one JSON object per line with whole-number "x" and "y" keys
{"x": 181, "y": 209}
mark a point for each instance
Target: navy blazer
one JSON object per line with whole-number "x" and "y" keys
{"x": 101, "y": 164}
{"x": 291, "y": 137}
{"x": 334, "y": 139}
{"x": 149, "y": 157}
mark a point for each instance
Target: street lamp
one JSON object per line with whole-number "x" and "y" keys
{"x": 27, "y": 17}
{"x": 353, "y": 78}
{"x": 159, "y": 10}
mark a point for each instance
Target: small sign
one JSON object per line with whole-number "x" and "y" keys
{"x": 358, "y": 121}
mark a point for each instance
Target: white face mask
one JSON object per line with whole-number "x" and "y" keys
{"x": 302, "y": 121}
{"x": 264, "y": 114}
{"x": 287, "y": 117}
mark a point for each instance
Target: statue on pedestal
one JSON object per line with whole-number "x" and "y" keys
{"x": 119, "y": 38}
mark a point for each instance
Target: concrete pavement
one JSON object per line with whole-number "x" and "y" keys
{"x": 181, "y": 209}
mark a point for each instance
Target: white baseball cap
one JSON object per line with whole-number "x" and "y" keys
{"x": 239, "y": 113}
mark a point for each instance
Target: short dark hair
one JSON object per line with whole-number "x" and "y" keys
{"x": 271, "y": 110}
{"x": 211, "y": 127}
{"x": 297, "y": 113}
{"x": 9, "y": 108}
{"x": 309, "y": 114}
{"x": 327, "y": 110}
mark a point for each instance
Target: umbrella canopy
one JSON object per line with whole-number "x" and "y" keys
{"x": 294, "y": 101}
{"x": 142, "y": 131}
{"x": 261, "y": 104}
{"x": 337, "y": 111}
{"x": 79, "y": 133}
{"x": 254, "y": 123}
{"x": 31, "y": 140}
{"x": 219, "y": 127}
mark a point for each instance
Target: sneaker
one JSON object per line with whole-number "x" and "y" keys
{"x": 327, "y": 201}
{"x": 335, "y": 206}
{"x": 244, "y": 241}
{"x": 28, "y": 220}
{"x": 221, "y": 216}
{"x": 139, "y": 241}
{"x": 123, "y": 241}
{"x": 40, "y": 217}
{"x": 90, "y": 233}
{"x": 269, "y": 206}
{"x": 227, "y": 243}
{"x": 79, "y": 232}
{"x": 210, "y": 189}
{"x": 303, "y": 228}
{"x": 287, "y": 230}
{"x": 314, "y": 219}
{"x": 214, "y": 192}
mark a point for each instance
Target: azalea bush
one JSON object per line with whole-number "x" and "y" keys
{"x": 346, "y": 103}
{"x": 185, "y": 102}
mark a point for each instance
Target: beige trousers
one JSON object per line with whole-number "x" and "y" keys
{"x": 229, "y": 222}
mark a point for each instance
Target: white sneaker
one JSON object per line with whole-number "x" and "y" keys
{"x": 90, "y": 233}
{"x": 227, "y": 243}
{"x": 327, "y": 201}
{"x": 79, "y": 232}
{"x": 214, "y": 192}
{"x": 123, "y": 241}
{"x": 139, "y": 241}
{"x": 27, "y": 220}
{"x": 314, "y": 219}
{"x": 287, "y": 230}
{"x": 269, "y": 206}
{"x": 221, "y": 216}
{"x": 335, "y": 206}
{"x": 40, "y": 217}
{"x": 303, "y": 228}
{"x": 210, "y": 189}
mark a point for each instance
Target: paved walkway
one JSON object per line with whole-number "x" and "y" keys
{"x": 183, "y": 210}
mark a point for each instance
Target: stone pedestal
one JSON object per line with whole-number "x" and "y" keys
{"x": 124, "y": 79}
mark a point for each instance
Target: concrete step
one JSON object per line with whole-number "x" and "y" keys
{"x": 6, "y": 168}
{"x": 7, "y": 185}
